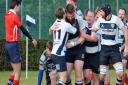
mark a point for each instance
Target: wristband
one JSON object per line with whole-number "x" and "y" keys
{"x": 73, "y": 43}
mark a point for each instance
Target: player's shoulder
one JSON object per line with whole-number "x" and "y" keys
{"x": 81, "y": 20}
{"x": 100, "y": 19}
{"x": 11, "y": 12}
{"x": 66, "y": 23}
{"x": 115, "y": 17}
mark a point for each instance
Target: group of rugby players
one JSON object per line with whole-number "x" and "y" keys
{"x": 86, "y": 43}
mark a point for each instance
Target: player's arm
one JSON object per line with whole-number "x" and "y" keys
{"x": 96, "y": 25}
{"x": 81, "y": 38}
{"x": 22, "y": 28}
{"x": 87, "y": 37}
{"x": 83, "y": 33}
{"x": 53, "y": 27}
{"x": 70, "y": 28}
{"x": 25, "y": 32}
{"x": 125, "y": 31}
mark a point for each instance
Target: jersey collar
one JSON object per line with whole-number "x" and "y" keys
{"x": 60, "y": 20}
{"x": 12, "y": 11}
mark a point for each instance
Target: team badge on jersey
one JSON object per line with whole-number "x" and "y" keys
{"x": 112, "y": 25}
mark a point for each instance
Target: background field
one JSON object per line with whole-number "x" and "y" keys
{"x": 33, "y": 78}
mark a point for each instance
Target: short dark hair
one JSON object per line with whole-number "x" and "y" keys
{"x": 122, "y": 8}
{"x": 13, "y": 3}
{"x": 70, "y": 8}
{"x": 97, "y": 10}
{"x": 49, "y": 45}
{"x": 88, "y": 10}
{"x": 59, "y": 13}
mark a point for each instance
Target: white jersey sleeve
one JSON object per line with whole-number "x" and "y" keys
{"x": 119, "y": 23}
{"x": 71, "y": 29}
{"x": 82, "y": 23}
{"x": 96, "y": 25}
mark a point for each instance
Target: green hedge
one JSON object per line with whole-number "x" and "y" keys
{"x": 34, "y": 55}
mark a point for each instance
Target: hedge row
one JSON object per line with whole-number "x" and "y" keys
{"x": 34, "y": 55}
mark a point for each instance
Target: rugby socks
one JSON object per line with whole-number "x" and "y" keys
{"x": 88, "y": 83}
{"x": 107, "y": 83}
{"x": 16, "y": 82}
{"x": 126, "y": 79}
{"x": 68, "y": 82}
{"x": 40, "y": 75}
{"x": 119, "y": 81}
{"x": 10, "y": 81}
{"x": 90, "y": 75}
{"x": 83, "y": 82}
{"x": 61, "y": 82}
{"x": 78, "y": 83}
{"x": 101, "y": 82}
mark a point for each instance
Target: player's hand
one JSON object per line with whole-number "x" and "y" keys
{"x": 34, "y": 42}
{"x": 125, "y": 53}
{"x": 69, "y": 45}
{"x": 83, "y": 33}
{"x": 54, "y": 26}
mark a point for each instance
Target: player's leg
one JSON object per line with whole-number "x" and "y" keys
{"x": 95, "y": 80}
{"x": 104, "y": 62}
{"x": 87, "y": 76}
{"x": 107, "y": 79}
{"x": 78, "y": 65}
{"x": 48, "y": 80}
{"x": 124, "y": 62}
{"x": 70, "y": 67}
{"x": 8, "y": 58}
{"x": 119, "y": 72}
{"x": 53, "y": 72}
{"x": 94, "y": 65}
{"x": 41, "y": 69}
{"x": 13, "y": 56}
{"x": 17, "y": 71}
{"x": 11, "y": 78}
{"x": 53, "y": 77}
{"x": 103, "y": 72}
{"x": 87, "y": 70}
{"x": 40, "y": 74}
{"x": 61, "y": 67}
{"x": 117, "y": 64}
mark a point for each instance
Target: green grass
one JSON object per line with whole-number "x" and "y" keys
{"x": 32, "y": 78}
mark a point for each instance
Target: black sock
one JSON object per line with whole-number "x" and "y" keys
{"x": 68, "y": 82}
{"x": 101, "y": 82}
{"x": 78, "y": 83}
{"x": 61, "y": 82}
{"x": 119, "y": 81}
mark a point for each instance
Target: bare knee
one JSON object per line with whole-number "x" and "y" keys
{"x": 120, "y": 74}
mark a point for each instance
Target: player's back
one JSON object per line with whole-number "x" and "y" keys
{"x": 60, "y": 36}
{"x": 12, "y": 22}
